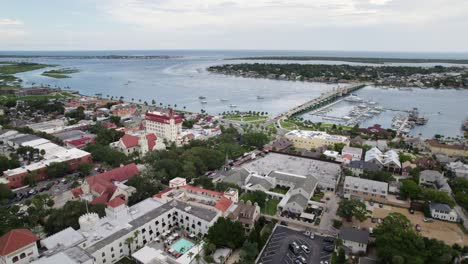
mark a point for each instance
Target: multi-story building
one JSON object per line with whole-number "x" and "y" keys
{"x": 246, "y": 214}
{"x": 365, "y": 189}
{"x": 389, "y": 159}
{"x": 18, "y": 246}
{"x": 102, "y": 188}
{"x": 168, "y": 126}
{"x": 314, "y": 139}
{"x": 355, "y": 153}
{"x": 354, "y": 239}
{"x": 449, "y": 149}
{"x": 434, "y": 179}
{"x": 138, "y": 143}
{"x": 14, "y": 178}
{"x": 443, "y": 212}
{"x": 106, "y": 240}
{"x": 358, "y": 167}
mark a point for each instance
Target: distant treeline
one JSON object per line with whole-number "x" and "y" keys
{"x": 354, "y": 59}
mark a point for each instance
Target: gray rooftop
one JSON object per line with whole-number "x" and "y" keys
{"x": 440, "y": 207}
{"x": 260, "y": 180}
{"x": 430, "y": 175}
{"x": 236, "y": 176}
{"x": 299, "y": 199}
{"x": 354, "y": 234}
{"x": 325, "y": 172}
{"x": 70, "y": 135}
{"x": 360, "y": 164}
{"x": 24, "y": 138}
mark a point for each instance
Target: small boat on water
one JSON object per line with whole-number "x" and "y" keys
{"x": 260, "y": 97}
{"x": 204, "y": 102}
{"x": 223, "y": 100}
{"x": 201, "y": 97}
{"x": 353, "y": 98}
{"x": 362, "y": 106}
{"x": 232, "y": 105}
{"x": 346, "y": 117}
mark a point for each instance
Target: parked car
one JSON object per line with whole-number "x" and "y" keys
{"x": 381, "y": 205}
{"x": 305, "y": 249}
{"x": 32, "y": 191}
{"x": 428, "y": 220}
{"x": 302, "y": 259}
{"x": 312, "y": 236}
{"x": 329, "y": 239}
{"x": 294, "y": 248}
{"x": 284, "y": 223}
{"x": 329, "y": 248}
{"x": 411, "y": 211}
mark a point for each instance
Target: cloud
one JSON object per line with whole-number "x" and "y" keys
{"x": 179, "y": 14}
{"x": 11, "y": 28}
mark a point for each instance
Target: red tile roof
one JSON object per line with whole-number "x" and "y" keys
{"x": 129, "y": 141}
{"x": 151, "y": 138}
{"x": 81, "y": 142}
{"x": 348, "y": 156}
{"x": 102, "y": 183}
{"x": 223, "y": 204}
{"x": 117, "y": 201}
{"x": 16, "y": 239}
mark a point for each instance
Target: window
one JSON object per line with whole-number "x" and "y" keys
{"x": 112, "y": 249}
{"x": 120, "y": 244}
{"x": 103, "y": 254}
{"x": 113, "y": 256}
{"x": 15, "y": 259}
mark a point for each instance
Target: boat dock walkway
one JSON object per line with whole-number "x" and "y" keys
{"x": 324, "y": 99}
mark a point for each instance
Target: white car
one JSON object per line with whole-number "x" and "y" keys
{"x": 305, "y": 249}
{"x": 312, "y": 235}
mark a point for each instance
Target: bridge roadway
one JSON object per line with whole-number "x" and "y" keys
{"x": 323, "y": 99}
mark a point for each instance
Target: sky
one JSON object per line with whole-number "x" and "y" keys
{"x": 350, "y": 25}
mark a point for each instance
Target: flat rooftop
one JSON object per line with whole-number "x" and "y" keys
{"x": 325, "y": 172}
{"x": 317, "y": 134}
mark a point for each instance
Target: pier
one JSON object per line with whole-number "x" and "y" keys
{"x": 323, "y": 100}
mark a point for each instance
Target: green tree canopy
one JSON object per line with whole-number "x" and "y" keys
{"x": 349, "y": 208}
{"x": 226, "y": 233}
{"x": 58, "y": 169}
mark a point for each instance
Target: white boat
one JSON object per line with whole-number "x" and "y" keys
{"x": 232, "y": 105}
{"x": 224, "y": 100}
{"x": 353, "y": 98}
{"x": 362, "y": 106}
{"x": 204, "y": 102}
{"x": 346, "y": 117}
{"x": 372, "y": 103}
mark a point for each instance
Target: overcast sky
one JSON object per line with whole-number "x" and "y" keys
{"x": 365, "y": 25}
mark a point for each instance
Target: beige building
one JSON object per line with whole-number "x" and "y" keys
{"x": 246, "y": 214}
{"x": 167, "y": 126}
{"x": 365, "y": 189}
{"x": 314, "y": 139}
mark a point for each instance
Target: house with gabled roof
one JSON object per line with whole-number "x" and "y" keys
{"x": 104, "y": 187}
{"x": 138, "y": 143}
{"x": 18, "y": 246}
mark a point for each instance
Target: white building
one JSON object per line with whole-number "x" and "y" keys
{"x": 18, "y": 246}
{"x": 104, "y": 239}
{"x": 355, "y": 153}
{"x": 354, "y": 239}
{"x": 314, "y": 139}
{"x": 177, "y": 182}
{"x": 389, "y": 159}
{"x": 443, "y": 212}
{"x": 433, "y": 178}
{"x": 168, "y": 126}
{"x": 458, "y": 168}
{"x": 365, "y": 189}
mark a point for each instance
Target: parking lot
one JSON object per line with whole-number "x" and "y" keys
{"x": 277, "y": 250}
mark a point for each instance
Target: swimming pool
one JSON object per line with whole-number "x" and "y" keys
{"x": 182, "y": 245}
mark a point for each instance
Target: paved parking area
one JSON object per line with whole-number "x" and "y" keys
{"x": 277, "y": 251}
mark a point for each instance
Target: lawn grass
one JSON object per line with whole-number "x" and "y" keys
{"x": 245, "y": 118}
{"x": 270, "y": 207}
{"x": 279, "y": 190}
{"x": 317, "y": 196}
{"x": 5, "y": 97}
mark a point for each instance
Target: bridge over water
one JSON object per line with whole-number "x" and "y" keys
{"x": 322, "y": 100}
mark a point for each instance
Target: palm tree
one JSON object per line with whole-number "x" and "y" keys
{"x": 197, "y": 258}
{"x": 175, "y": 106}
{"x": 133, "y": 99}
{"x": 129, "y": 241}
{"x": 153, "y": 102}
{"x": 160, "y": 104}
{"x": 184, "y": 107}
{"x": 190, "y": 255}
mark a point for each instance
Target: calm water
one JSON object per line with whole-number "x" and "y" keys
{"x": 452, "y": 105}
{"x": 181, "y": 80}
